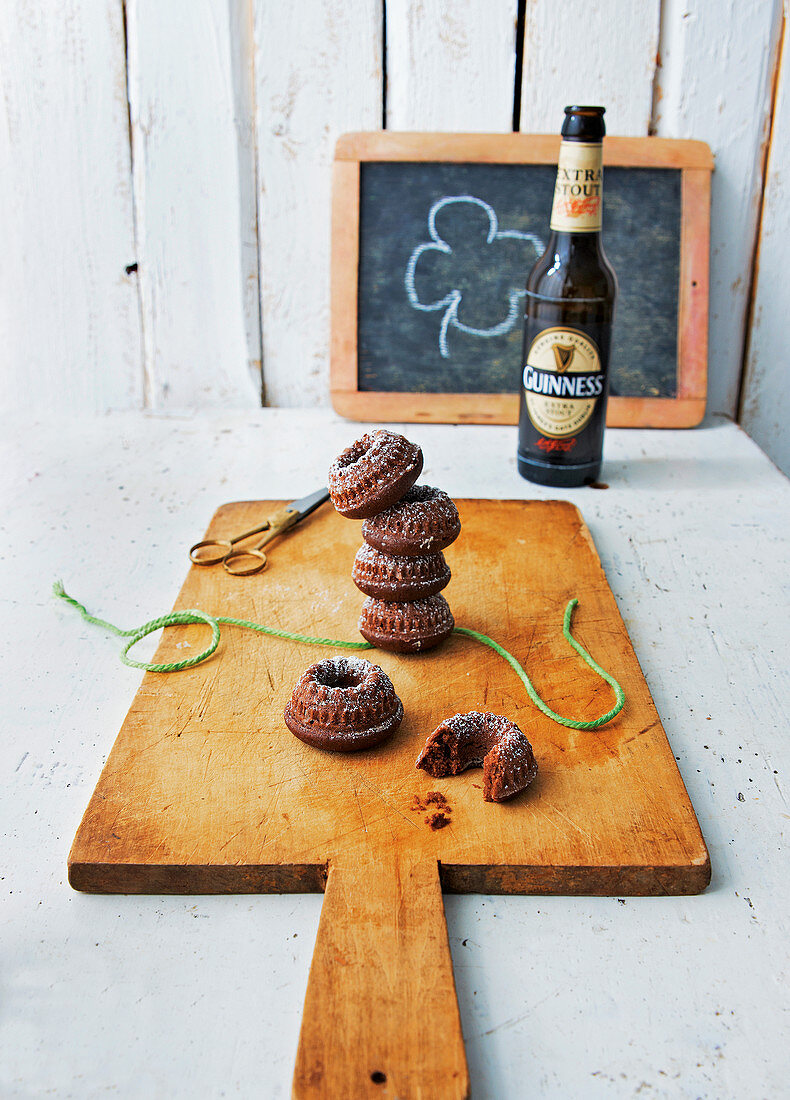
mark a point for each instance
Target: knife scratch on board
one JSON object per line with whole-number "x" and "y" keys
{"x": 565, "y": 817}
{"x": 232, "y": 837}
{"x": 645, "y": 729}
{"x": 202, "y": 700}
{"x": 359, "y": 807}
{"x": 380, "y": 795}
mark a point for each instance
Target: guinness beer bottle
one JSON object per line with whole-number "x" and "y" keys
{"x": 571, "y": 293}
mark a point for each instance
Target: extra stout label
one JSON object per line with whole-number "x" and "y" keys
{"x": 562, "y": 381}
{"x": 577, "y": 193}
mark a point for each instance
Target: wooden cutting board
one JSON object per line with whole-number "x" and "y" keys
{"x": 206, "y": 791}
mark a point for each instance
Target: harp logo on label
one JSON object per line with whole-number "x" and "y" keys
{"x": 562, "y": 381}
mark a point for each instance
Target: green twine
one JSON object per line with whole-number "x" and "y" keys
{"x": 572, "y": 723}
{"x": 191, "y": 615}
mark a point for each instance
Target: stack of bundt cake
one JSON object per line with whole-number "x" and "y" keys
{"x": 400, "y": 567}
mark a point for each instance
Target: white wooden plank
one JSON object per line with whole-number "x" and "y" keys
{"x": 578, "y": 52}
{"x": 318, "y": 69}
{"x": 69, "y": 320}
{"x": 194, "y": 206}
{"x": 242, "y": 67}
{"x": 714, "y": 84}
{"x": 451, "y": 66}
{"x": 765, "y": 406}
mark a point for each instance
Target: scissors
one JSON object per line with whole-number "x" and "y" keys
{"x": 214, "y": 551}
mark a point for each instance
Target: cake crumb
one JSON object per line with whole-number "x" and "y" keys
{"x": 432, "y": 798}
{"x": 439, "y": 809}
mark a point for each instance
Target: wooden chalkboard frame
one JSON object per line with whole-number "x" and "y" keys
{"x": 693, "y": 158}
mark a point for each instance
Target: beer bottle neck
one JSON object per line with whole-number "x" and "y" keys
{"x": 565, "y": 246}
{"x": 578, "y": 190}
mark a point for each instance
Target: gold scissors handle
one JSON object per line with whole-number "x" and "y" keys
{"x": 213, "y": 551}
{"x": 234, "y": 561}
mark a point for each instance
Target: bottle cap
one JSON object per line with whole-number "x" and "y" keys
{"x": 584, "y": 124}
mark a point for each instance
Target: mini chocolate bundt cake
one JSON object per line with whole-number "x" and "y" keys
{"x": 424, "y": 521}
{"x": 387, "y": 577}
{"x": 344, "y": 704}
{"x": 406, "y": 627}
{"x": 469, "y": 740}
{"x": 373, "y": 473}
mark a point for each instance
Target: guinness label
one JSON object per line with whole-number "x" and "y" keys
{"x": 562, "y": 381}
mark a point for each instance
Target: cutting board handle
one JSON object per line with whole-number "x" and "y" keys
{"x": 381, "y": 1014}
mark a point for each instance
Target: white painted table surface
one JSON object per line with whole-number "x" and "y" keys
{"x": 561, "y": 997}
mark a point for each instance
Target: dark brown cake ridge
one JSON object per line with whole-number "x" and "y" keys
{"x": 387, "y": 577}
{"x": 406, "y": 627}
{"x": 344, "y": 704}
{"x": 424, "y": 521}
{"x": 373, "y": 473}
{"x": 469, "y": 740}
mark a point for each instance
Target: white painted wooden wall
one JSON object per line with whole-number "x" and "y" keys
{"x": 165, "y": 182}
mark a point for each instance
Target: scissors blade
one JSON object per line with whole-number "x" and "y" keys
{"x": 305, "y": 505}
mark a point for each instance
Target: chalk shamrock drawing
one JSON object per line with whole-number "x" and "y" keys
{"x": 451, "y": 301}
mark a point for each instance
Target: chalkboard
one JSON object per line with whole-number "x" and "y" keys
{"x": 430, "y": 274}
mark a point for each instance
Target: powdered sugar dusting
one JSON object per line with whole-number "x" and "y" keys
{"x": 373, "y": 461}
{"x": 424, "y": 521}
{"x": 344, "y": 694}
{"x": 468, "y": 740}
{"x": 421, "y": 504}
{"x": 503, "y": 733}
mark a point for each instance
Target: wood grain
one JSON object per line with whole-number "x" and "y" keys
{"x": 206, "y": 790}
{"x": 69, "y": 320}
{"x": 318, "y": 72}
{"x": 382, "y": 956}
{"x": 605, "y": 53}
{"x": 450, "y": 66}
{"x": 486, "y": 408}
{"x": 344, "y": 259}
{"x": 694, "y": 288}
{"x": 622, "y": 152}
{"x": 192, "y": 141}
{"x": 714, "y": 83}
{"x": 204, "y": 774}
{"x": 765, "y": 399}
